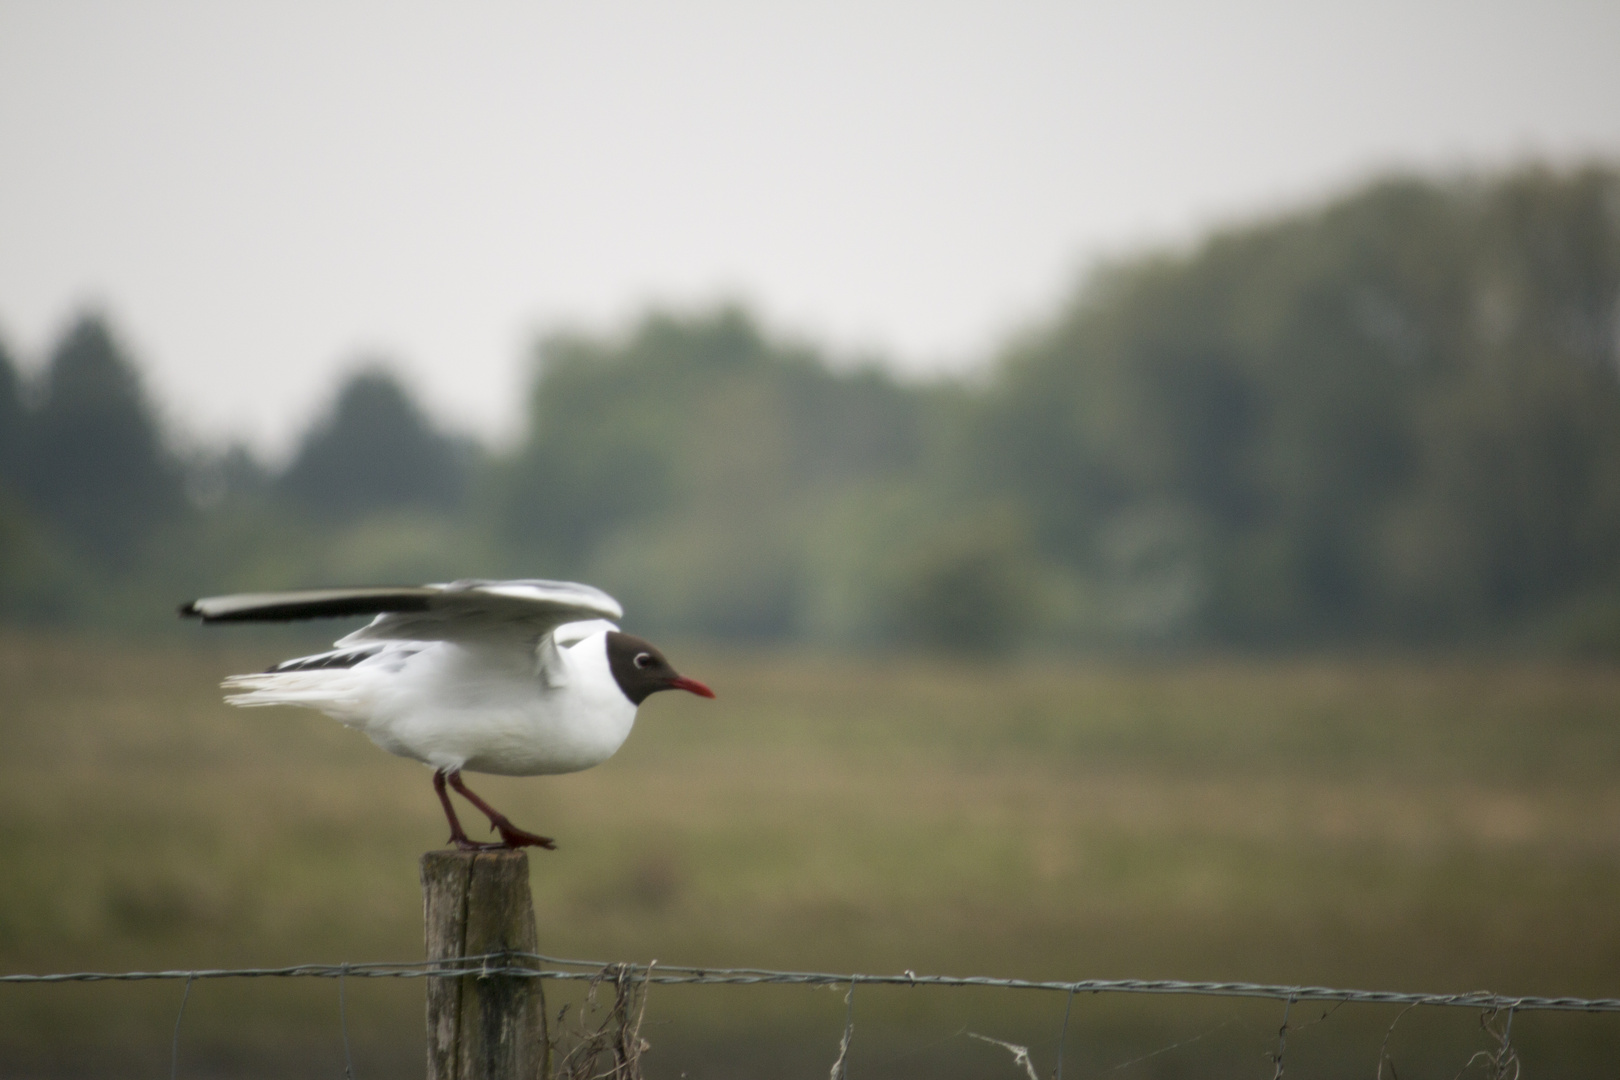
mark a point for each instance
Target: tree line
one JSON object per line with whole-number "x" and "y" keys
{"x": 1393, "y": 418}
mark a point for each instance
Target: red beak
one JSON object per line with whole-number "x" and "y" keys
{"x": 691, "y": 686}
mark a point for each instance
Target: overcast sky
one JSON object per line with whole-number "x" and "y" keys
{"x": 259, "y": 194}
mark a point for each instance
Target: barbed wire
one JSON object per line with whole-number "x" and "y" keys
{"x": 530, "y": 965}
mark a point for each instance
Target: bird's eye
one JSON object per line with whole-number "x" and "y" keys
{"x": 644, "y": 660}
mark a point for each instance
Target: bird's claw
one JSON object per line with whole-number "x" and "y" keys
{"x": 514, "y": 837}
{"x": 463, "y": 843}
{"x": 511, "y": 837}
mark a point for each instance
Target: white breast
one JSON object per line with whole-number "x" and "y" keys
{"x": 486, "y": 708}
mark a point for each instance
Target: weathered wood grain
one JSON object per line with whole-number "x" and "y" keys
{"x": 481, "y": 1027}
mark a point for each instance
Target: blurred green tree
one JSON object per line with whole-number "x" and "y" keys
{"x": 32, "y": 575}
{"x": 683, "y": 465}
{"x": 92, "y": 459}
{"x": 373, "y": 451}
{"x": 12, "y": 418}
{"x": 1388, "y": 416}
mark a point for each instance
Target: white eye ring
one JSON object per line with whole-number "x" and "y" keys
{"x": 643, "y": 660}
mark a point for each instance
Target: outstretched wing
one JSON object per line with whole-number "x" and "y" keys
{"x": 510, "y": 610}
{"x": 310, "y": 603}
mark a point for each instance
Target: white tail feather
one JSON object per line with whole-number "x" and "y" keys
{"x": 332, "y": 692}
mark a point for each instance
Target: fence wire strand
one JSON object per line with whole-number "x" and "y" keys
{"x": 516, "y": 964}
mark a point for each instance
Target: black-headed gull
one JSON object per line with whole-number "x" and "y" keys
{"x": 519, "y": 678}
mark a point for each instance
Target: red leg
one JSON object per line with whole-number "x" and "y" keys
{"x": 511, "y": 835}
{"x": 457, "y": 836}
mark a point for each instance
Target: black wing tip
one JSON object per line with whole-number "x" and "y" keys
{"x": 299, "y": 610}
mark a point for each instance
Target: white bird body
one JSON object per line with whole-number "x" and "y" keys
{"x": 457, "y": 705}
{"x": 517, "y": 678}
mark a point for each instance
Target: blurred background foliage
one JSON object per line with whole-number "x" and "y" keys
{"x": 1390, "y": 419}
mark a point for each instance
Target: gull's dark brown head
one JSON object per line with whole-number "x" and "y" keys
{"x": 641, "y": 670}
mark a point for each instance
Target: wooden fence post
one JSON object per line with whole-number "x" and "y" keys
{"x": 482, "y": 1028}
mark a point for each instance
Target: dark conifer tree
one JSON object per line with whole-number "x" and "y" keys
{"x": 374, "y": 451}
{"x": 92, "y": 459}
{"x": 12, "y": 418}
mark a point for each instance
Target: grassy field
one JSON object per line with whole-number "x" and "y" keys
{"x": 1375, "y": 823}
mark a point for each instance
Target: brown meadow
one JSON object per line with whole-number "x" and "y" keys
{"x": 1379, "y": 823}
